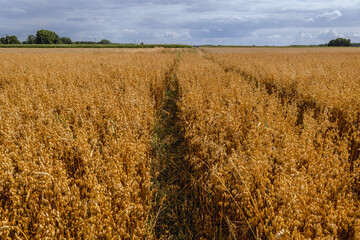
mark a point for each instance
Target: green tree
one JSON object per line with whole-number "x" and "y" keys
{"x": 31, "y": 39}
{"x": 340, "y": 42}
{"x": 9, "y": 40}
{"x": 14, "y": 40}
{"x": 104, "y": 41}
{"x": 66, "y": 40}
{"x": 47, "y": 37}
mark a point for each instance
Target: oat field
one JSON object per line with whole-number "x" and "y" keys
{"x": 207, "y": 143}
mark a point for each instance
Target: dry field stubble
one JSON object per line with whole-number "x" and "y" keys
{"x": 75, "y": 143}
{"x": 226, "y": 143}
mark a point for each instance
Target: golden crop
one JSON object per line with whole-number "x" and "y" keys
{"x": 75, "y": 142}
{"x": 260, "y": 173}
{"x": 329, "y": 77}
{"x": 205, "y": 144}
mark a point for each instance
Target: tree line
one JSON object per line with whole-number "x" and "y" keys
{"x": 340, "y": 42}
{"x": 46, "y": 37}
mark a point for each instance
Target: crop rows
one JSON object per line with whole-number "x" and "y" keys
{"x": 320, "y": 79}
{"x": 259, "y": 174}
{"x": 75, "y": 143}
{"x": 164, "y": 144}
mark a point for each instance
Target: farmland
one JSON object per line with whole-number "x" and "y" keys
{"x": 207, "y": 143}
{"x": 84, "y": 45}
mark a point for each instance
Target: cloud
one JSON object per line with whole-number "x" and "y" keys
{"x": 306, "y": 35}
{"x": 172, "y": 35}
{"x": 77, "y": 19}
{"x": 331, "y": 15}
{"x": 260, "y": 22}
{"x": 12, "y": 10}
{"x": 325, "y": 16}
{"x": 129, "y": 30}
{"x": 321, "y": 36}
{"x": 329, "y": 34}
{"x": 273, "y": 36}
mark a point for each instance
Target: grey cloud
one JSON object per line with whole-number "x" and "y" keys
{"x": 12, "y": 10}
{"x": 78, "y": 19}
{"x": 331, "y": 15}
{"x": 188, "y": 21}
{"x": 329, "y": 34}
{"x": 326, "y": 34}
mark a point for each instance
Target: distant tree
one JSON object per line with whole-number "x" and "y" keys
{"x": 9, "y": 40}
{"x": 104, "y": 41}
{"x": 66, "y": 40}
{"x": 340, "y": 42}
{"x": 58, "y": 41}
{"x": 14, "y": 40}
{"x": 31, "y": 39}
{"x": 85, "y": 42}
{"x": 47, "y": 37}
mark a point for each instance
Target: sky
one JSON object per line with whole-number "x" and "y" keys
{"x": 195, "y": 22}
